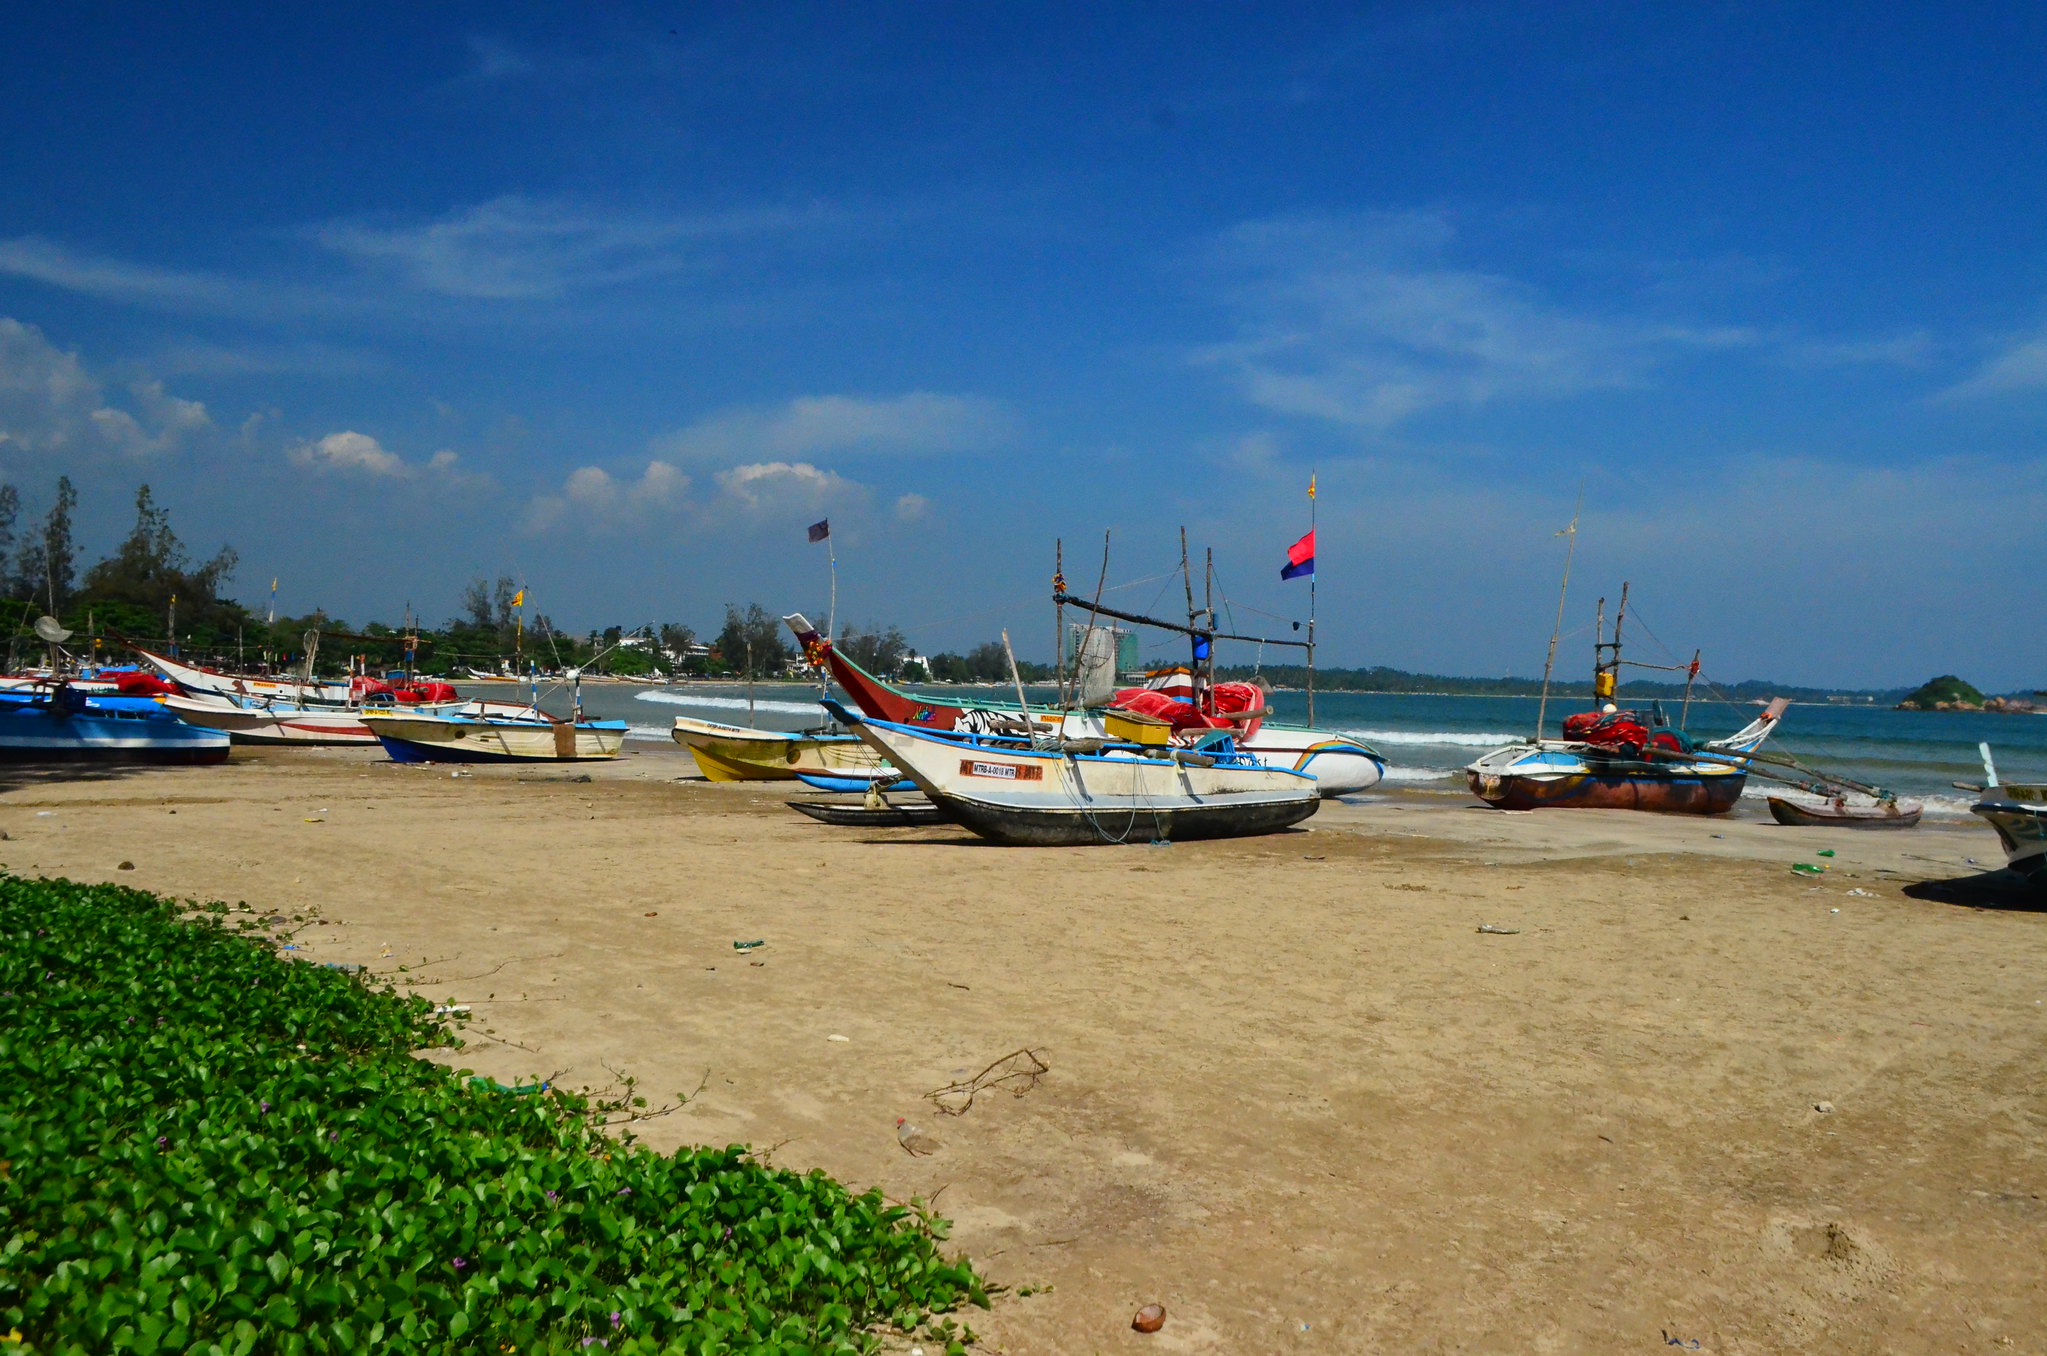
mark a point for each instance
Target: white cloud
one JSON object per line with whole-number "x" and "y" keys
{"x": 518, "y": 249}
{"x": 911, "y": 507}
{"x": 360, "y": 454}
{"x": 348, "y": 451}
{"x": 592, "y": 495}
{"x": 808, "y": 426}
{"x": 2022, "y": 366}
{"x": 1357, "y": 321}
{"x": 783, "y": 485}
{"x": 52, "y": 406}
{"x": 56, "y": 265}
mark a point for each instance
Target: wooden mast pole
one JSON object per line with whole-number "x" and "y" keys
{"x": 1311, "y": 602}
{"x": 1208, "y": 617}
{"x": 1563, "y": 590}
{"x": 1059, "y": 616}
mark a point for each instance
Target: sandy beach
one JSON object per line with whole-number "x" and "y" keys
{"x": 1295, "y": 1095}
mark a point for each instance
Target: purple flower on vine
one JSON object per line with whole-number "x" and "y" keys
{"x": 162, "y": 1141}
{"x": 625, "y": 1191}
{"x": 553, "y": 1196}
{"x": 461, "y": 1262}
{"x": 264, "y": 1106}
{"x": 616, "y": 1318}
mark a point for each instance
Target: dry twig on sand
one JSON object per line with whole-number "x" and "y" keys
{"x": 1020, "y": 1066}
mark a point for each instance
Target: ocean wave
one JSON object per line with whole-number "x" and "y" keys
{"x": 1457, "y": 739}
{"x": 652, "y": 732}
{"x": 1417, "y": 774}
{"x": 731, "y": 703}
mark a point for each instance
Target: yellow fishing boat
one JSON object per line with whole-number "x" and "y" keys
{"x": 735, "y": 753}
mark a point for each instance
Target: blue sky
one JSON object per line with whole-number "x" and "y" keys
{"x": 617, "y": 302}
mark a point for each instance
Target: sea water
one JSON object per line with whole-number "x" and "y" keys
{"x": 1427, "y": 740}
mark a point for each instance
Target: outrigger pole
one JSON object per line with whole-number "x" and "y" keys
{"x": 1175, "y": 627}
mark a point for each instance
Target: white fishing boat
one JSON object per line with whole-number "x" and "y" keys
{"x": 1341, "y": 764}
{"x": 493, "y": 736}
{"x": 248, "y": 720}
{"x": 2018, "y": 812}
{"x": 1076, "y": 792}
{"x": 197, "y": 681}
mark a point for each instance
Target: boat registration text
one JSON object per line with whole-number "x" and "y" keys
{"x": 1007, "y": 771}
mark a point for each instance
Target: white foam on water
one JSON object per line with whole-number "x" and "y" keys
{"x": 1437, "y": 737}
{"x": 730, "y": 703}
{"x": 1396, "y": 773}
{"x": 653, "y": 732}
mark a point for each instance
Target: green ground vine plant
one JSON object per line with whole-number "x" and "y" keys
{"x": 206, "y": 1148}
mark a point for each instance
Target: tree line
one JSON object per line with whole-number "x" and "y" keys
{"x": 150, "y": 591}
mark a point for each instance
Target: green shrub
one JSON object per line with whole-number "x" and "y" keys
{"x": 209, "y": 1149}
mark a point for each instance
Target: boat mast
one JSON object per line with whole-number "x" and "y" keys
{"x": 1606, "y": 654}
{"x": 1208, "y": 616}
{"x": 1059, "y": 616}
{"x": 1311, "y": 604}
{"x": 1563, "y": 590}
{"x": 1196, "y": 640}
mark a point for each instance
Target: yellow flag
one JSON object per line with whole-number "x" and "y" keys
{"x": 519, "y": 598}
{"x": 1311, "y": 484}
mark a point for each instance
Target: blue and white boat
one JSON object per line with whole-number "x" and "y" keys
{"x": 64, "y": 725}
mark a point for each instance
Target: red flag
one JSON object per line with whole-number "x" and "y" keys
{"x": 1300, "y": 558}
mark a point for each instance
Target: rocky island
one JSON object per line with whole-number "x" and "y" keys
{"x": 1949, "y": 693}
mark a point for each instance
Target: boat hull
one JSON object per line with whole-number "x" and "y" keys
{"x": 117, "y": 730}
{"x": 861, "y": 817}
{"x": 734, "y": 753}
{"x": 2022, "y": 828}
{"x": 427, "y": 739}
{"x": 1651, "y": 789}
{"x": 260, "y": 725}
{"x": 1790, "y": 812}
{"x": 1042, "y": 826}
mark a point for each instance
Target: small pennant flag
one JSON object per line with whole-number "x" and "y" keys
{"x": 519, "y": 598}
{"x": 1311, "y": 484}
{"x": 1300, "y": 558}
{"x": 820, "y": 529}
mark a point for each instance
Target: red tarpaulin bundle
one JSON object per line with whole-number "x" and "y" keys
{"x": 1621, "y": 731}
{"x": 142, "y": 685}
{"x": 1157, "y": 705}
